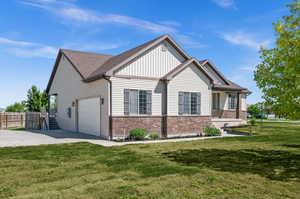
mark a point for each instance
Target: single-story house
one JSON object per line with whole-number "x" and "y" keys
{"x": 156, "y": 86}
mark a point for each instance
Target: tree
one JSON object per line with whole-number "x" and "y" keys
{"x": 36, "y": 100}
{"x": 256, "y": 109}
{"x": 278, "y": 75}
{"x": 16, "y": 107}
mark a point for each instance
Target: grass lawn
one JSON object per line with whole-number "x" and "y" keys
{"x": 264, "y": 166}
{"x": 16, "y": 128}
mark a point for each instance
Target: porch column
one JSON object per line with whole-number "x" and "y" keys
{"x": 238, "y": 106}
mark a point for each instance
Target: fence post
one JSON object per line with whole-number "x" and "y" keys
{"x": 6, "y": 118}
{"x": 22, "y": 120}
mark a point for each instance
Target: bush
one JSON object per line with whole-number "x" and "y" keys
{"x": 154, "y": 136}
{"x": 252, "y": 122}
{"x": 212, "y": 131}
{"x": 137, "y": 134}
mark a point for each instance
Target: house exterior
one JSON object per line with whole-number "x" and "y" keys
{"x": 156, "y": 86}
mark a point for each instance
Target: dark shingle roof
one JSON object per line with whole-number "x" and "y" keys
{"x": 93, "y": 66}
{"x": 86, "y": 63}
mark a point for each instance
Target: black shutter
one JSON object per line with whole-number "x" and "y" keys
{"x": 126, "y": 101}
{"x": 180, "y": 103}
{"x": 149, "y": 102}
{"x": 199, "y": 103}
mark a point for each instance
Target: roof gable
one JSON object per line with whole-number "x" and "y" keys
{"x": 84, "y": 63}
{"x": 118, "y": 61}
{"x": 215, "y": 73}
{"x": 169, "y": 76}
{"x": 155, "y": 62}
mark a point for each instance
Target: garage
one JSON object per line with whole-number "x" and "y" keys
{"x": 89, "y": 116}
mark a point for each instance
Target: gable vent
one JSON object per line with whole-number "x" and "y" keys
{"x": 163, "y": 48}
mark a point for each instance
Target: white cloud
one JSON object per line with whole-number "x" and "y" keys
{"x": 93, "y": 47}
{"x": 225, "y": 3}
{"x": 248, "y": 68}
{"x": 27, "y": 49}
{"x": 245, "y": 39}
{"x": 80, "y": 16}
{"x": 7, "y": 41}
{"x": 43, "y": 51}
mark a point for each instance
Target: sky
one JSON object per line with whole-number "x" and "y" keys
{"x": 227, "y": 32}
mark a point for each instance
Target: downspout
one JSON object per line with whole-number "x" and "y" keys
{"x": 110, "y": 106}
{"x": 165, "y": 115}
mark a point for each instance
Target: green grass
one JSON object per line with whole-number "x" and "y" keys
{"x": 16, "y": 128}
{"x": 265, "y": 166}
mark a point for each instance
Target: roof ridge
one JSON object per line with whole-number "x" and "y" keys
{"x": 85, "y": 52}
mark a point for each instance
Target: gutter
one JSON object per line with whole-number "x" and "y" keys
{"x": 110, "y": 105}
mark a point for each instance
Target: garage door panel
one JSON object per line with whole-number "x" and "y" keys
{"x": 89, "y": 116}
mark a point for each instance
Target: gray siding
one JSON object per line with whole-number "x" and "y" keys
{"x": 68, "y": 85}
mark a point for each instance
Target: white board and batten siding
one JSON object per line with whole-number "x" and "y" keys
{"x": 155, "y": 63}
{"x": 119, "y": 84}
{"x": 191, "y": 79}
{"x": 69, "y": 87}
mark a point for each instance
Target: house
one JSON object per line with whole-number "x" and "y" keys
{"x": 156, "y": 86}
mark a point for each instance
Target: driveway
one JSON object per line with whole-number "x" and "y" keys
{"x": 10, "y": 138}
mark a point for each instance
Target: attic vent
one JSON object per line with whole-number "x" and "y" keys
{"x": 163, "y": 48}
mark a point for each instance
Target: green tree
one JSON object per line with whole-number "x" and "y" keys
{"x": 253, "y": 109}
{"x": 36, "y": 100}
{"x": 16, "y": 107}
{"x": 278, "y": 75}
{"x": 256, "y": 109}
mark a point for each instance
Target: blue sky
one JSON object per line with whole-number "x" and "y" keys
{"x": 228, "y": 32}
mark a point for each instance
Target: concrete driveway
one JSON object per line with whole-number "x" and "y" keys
{"x": 10, "y": 138}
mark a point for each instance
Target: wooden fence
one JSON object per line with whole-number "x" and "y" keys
{"x": 30, "y": 120}
{"x": 8, "y": 120}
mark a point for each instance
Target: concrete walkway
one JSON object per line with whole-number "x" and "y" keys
{"x": 31, "y": 138}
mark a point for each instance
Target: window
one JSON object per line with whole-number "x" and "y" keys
{"x": 69, "y": 112}
{"x": 189, "y": 103}
{"x": 216, "y": 101}
{"x": 53, "y": 104}
{"x": 232, "y": 101}
{"x": 137, "y": 102}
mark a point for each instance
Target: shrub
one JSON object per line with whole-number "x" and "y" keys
{"x": 154, "y": 136}
{"x": 212, "y": 131}
{"x": 138, "y": 134}
{"x": 252, "y": 122}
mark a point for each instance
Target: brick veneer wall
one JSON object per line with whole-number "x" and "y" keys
{"x": 181, "y": 125}
{"x": 229, "y": 114}
{"x": 243, "y": 115}
{"x": 121, "y": 125}
{"x": 175, "y": 125}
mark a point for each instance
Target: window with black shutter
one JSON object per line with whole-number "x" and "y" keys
{"x": 137, "y": 102}
{"x": 189, "y": 103}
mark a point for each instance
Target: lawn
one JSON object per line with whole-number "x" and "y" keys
{"x": 263, "y": 166}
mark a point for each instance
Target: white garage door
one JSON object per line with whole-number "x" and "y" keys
{"x": 89, "y": 116}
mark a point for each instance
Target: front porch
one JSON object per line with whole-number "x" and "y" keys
{"x": 228, "y": 105}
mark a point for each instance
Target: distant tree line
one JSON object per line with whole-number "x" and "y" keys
{"x": 259, "y": 110}
{"x": 36, "y": 101}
